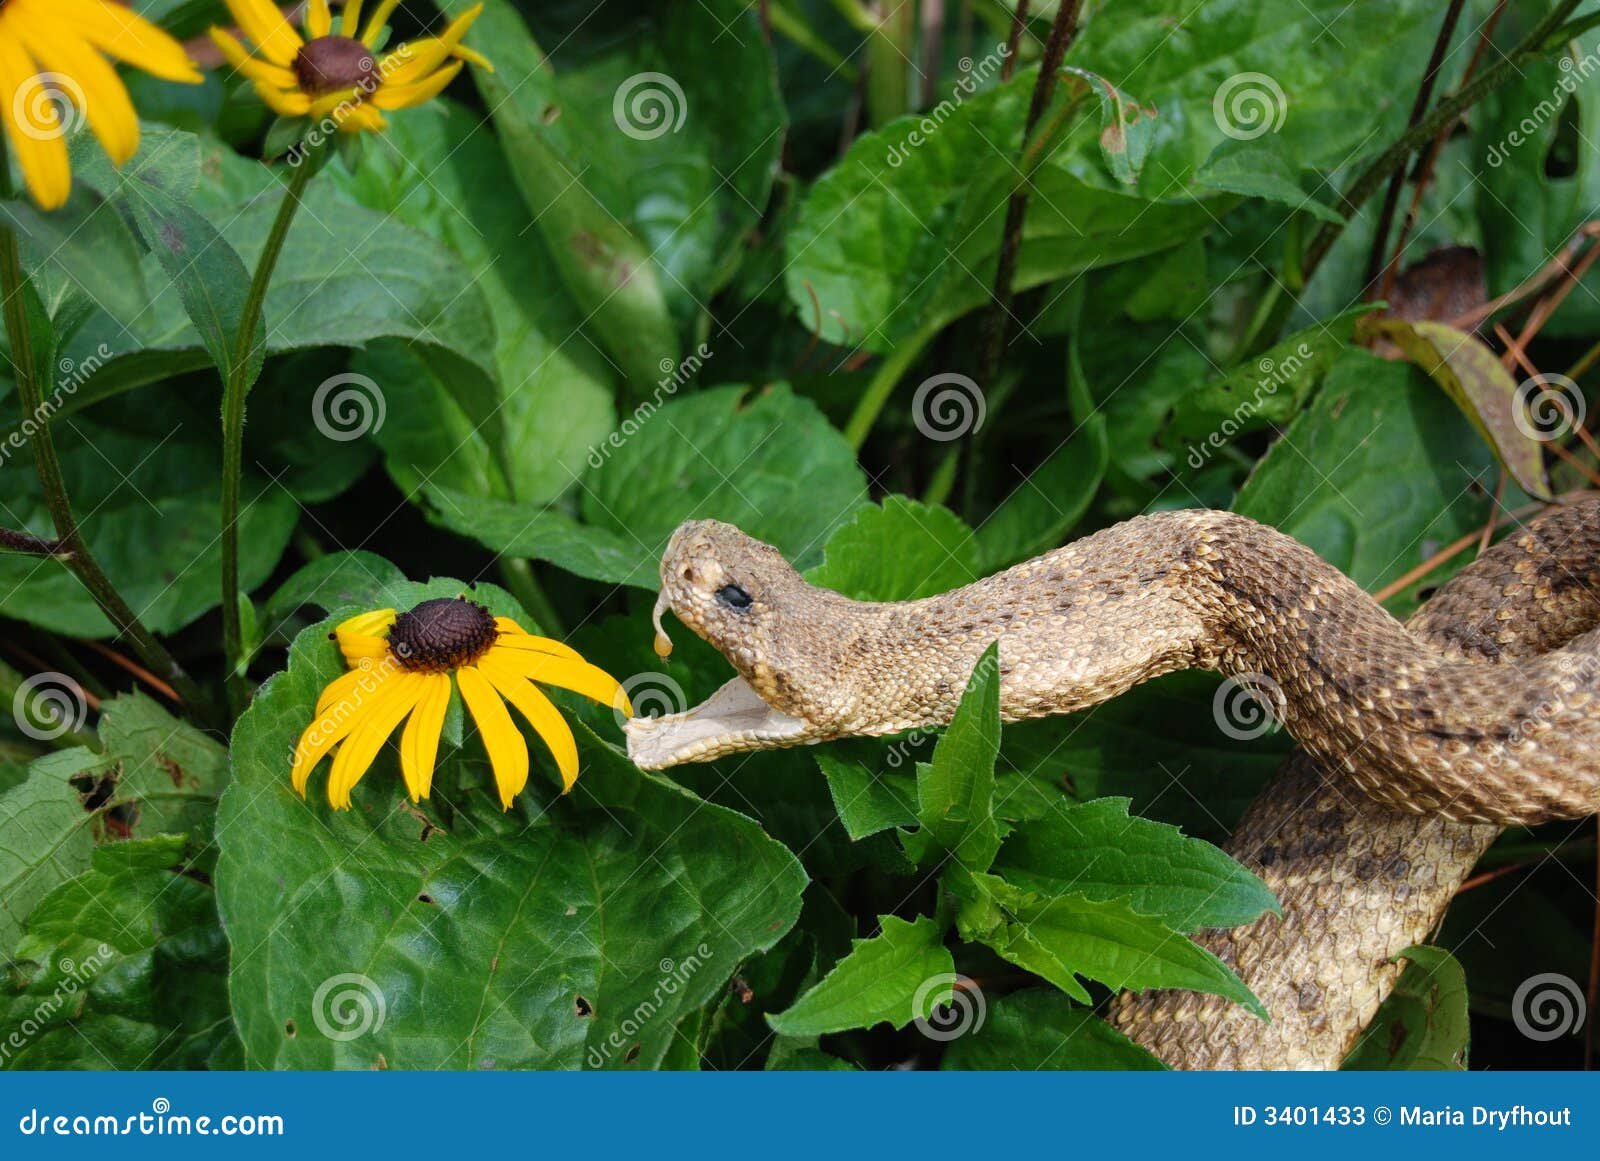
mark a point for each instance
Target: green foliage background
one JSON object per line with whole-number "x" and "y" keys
{"x": 570, "y": 337}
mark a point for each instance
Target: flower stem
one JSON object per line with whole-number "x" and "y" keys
{"x": 70, "y": 545}
{"x": 236, "y": 386}
{"x": 882, "y": 385}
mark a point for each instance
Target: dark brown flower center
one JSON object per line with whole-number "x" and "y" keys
{"x": 331, "y": 63}
{"x": 441, "y": 634}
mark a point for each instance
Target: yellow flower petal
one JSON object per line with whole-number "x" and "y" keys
{"x": 357, "y": 753}
{"x": 360, "y": 119}
{"x": 351, "y": 20}
{"x": 285, "y": 104}
{"x": 336, "y": 717}
{"x": 252, "y": 67}
{"x": 40, "y": 146}
{"x": 355, "y": 685}
{"x": 85, "y": 75}
{"x": 266, "y": 27}
{"x": 405, "y": 96}
{"x": 541, "y": 713}
{"x": 413, "y": 60}
{"x": 128, "y": 37}
{"x": 376, "y": 621}
{"x": 508, "y": 753}
{"x": 529, "y": 643}
{"x": 419, "y": 744}
{"x": 319, "y": 21}
{"x": 380, "y": 17}
{"x": 591, "y": 681}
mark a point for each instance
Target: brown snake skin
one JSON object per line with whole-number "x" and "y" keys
{"x": 1420, "y": 740}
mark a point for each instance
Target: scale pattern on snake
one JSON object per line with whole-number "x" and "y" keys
{"x": 1419, "y": 741}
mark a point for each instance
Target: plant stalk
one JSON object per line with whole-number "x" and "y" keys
{"x": 71, "y": 547}
{"x": 236, "y": 386}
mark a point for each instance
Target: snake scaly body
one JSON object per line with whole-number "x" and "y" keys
{"x": 1419, "y": 741}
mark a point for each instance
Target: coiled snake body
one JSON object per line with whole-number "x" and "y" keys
{"x": 1419, "y": 741}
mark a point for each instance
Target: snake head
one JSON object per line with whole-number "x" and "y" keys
{"x": 749, "y": 603}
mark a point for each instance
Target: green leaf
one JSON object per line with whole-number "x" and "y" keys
{"x": 1475, "y": 379}
{"x": 1270, "y": 390}
{"x": 554, "y": 395}
{"x": 1376, "y": 475}
{"x": 955, "y": 792}
{"x": 1098, "y": 851}
{"x": 1261, "y": 168}
{"x": 210, "y": 277}
{"x": 336, "y": 581}
{"x": 767, "y": 461}
{"x": 1127, "y": 128}
{"x": 882, "y": 979}
{"x": 1424, "y": 1022}
{"x": 47, "y": 838}
{"x": 607, "y": 269}
{"x": 898, "y": 552}
{"x": 1068, "y": 936}
{"x": 123, "y": 967}
{"x": 867, "y": 801}
{"x": 84, "y": 248}
{"x": 1038, "y": 1029}
{"x": 569, "y": 932}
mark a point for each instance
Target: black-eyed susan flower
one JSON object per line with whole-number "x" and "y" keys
{"x": 53, "y": 52}
{"x": 342, "y": 76}
{"x": 400, "y": 670}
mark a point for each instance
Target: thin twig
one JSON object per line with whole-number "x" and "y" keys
{"x": 1430, "y": 162}
{"x": 134, "y": 668}
{"x": 1494, "y": 513}
{"x": 1447, "y": 553}
{"x": 31, "y": 545}
{"x": 1055, "y": 50}
{"x": 1419, "y": 106}
{"x": 1019, "y": 24}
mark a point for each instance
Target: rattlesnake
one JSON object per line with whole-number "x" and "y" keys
{"x": 1419, "y": 741}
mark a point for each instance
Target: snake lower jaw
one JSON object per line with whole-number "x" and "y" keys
{"x": 730, "y": 721}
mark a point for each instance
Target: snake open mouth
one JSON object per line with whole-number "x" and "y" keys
{"x": 733, "y": 719}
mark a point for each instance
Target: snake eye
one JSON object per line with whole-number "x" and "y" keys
{"x": 733, "y": 597}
